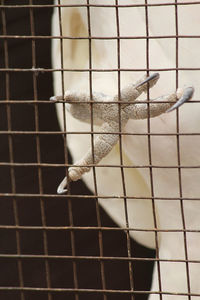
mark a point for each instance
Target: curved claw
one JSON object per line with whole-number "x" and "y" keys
{"x": 61, "y": 188}
{"x": 56, "y": 98}
{"x": 149, "y": 78}
{"x": 187, "y": 95}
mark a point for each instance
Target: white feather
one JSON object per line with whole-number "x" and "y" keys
{"x": 162, "y": 54}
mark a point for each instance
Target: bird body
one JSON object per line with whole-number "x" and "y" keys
{"x": 162, "y": 181}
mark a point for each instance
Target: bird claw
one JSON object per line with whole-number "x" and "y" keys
{"x": 187, "y": 95}
{"x": 61, "y": 188}
{"x": 56, "y": 98}
{"x": 109, "y": 116}
{"x": 154, "y": 76}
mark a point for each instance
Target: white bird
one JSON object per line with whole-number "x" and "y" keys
{"x": 172, "y": 217}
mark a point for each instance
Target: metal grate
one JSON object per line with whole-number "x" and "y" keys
{"x": 66, "y": 246}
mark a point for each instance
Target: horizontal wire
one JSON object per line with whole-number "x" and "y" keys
{"x": 116, "y": 197}
{"x": 98, "y": 37}
{"x": 91, "y": 228}
{"x": 3, "y": 132}
{"x": 103, "y": 5}
{"x": 53, "y": 165}
{"x": 52, "y": 102}
{"x": 98, "y": 70}
{"x": 94, "y": 258}
{"x": 99, "y": 291}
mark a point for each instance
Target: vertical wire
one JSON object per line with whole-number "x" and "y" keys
{"x": 69, "y": 203}
{"x": 121, "y": 156}
{"x": 102, "y": 269}
{"x": 179, "y": 159}
{"x": 11, "y": 155}
{"x": 42, "y": 204}
{"x": 150, "y": 155}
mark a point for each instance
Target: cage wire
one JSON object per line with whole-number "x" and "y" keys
{"x": 66, "y": 246}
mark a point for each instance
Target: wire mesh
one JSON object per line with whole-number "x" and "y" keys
{"x": 67, "y": 246}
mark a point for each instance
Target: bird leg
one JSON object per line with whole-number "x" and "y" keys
{"x": 103, "y": 144}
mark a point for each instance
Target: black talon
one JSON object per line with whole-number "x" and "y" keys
{"x": 187, "y": 95}
{"x": 149, "y": 78}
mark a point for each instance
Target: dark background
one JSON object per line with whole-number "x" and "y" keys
{"x": 27, "y": 211}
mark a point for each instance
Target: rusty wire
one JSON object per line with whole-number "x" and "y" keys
{"x": 13, "y": 194}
